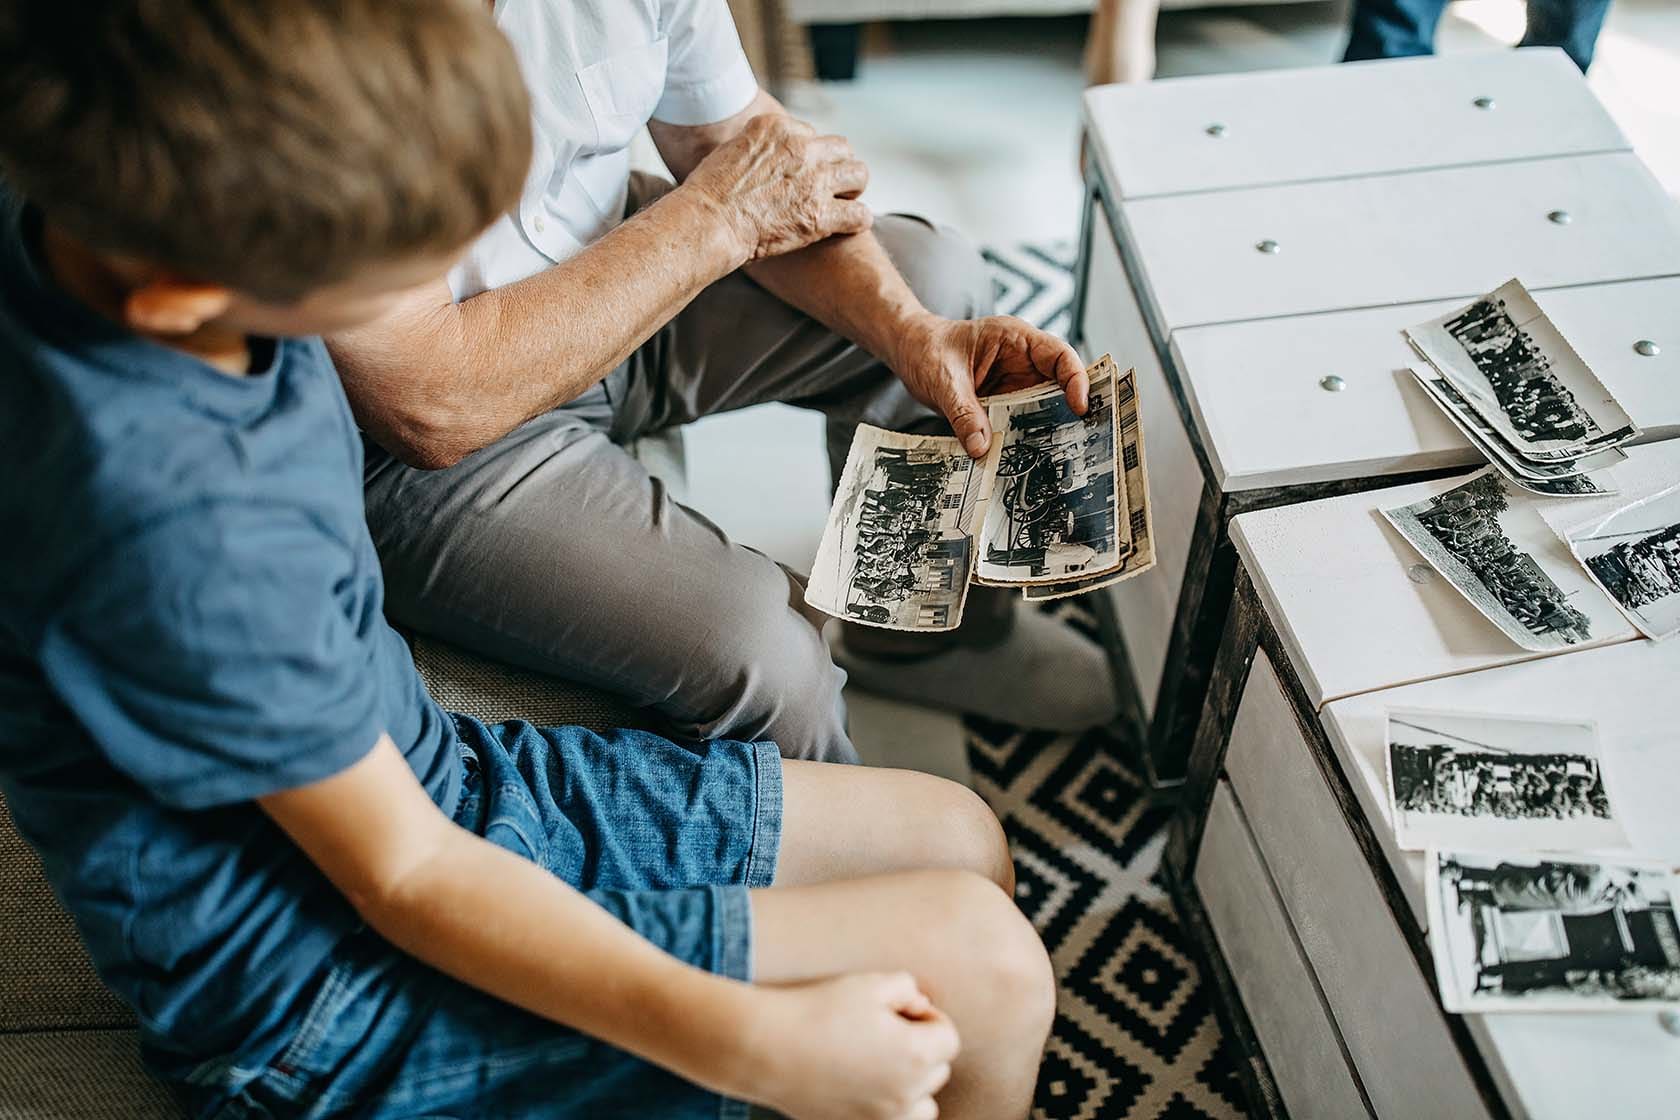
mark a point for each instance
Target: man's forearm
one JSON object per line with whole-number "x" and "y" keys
{"x": 849, "y": 285}
{"x": 439, "y": 379}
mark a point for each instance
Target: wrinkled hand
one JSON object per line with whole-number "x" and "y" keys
{"x": 948, "y": 364}
{"x": 867, "y": 1046}
{"x": 781, "y": 187}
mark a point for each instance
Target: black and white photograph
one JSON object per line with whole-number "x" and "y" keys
{"x": 1490, "y": 542}
{"x": 1519, "y": 373}
{"x": 1055, "y": 509}
{"x": 1141, "y": 557}
{"x": 1469, "y": 780}
{"x": 1551, "y": 933}
{"x": 1547, "y": 479}
{"x": 1634, "y": 555}
{"x": 897, "y": 549}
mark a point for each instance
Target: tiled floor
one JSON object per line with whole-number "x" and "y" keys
{"x": 975, "y": 123}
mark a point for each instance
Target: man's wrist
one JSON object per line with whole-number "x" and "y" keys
{"x": 718, "y": 224}
{"x": 911, "y": 339}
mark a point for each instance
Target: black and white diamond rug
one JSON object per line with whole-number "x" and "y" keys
{"x": 1135, "y": 1036}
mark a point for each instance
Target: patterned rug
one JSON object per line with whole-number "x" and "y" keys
{"x": 1135, "y": 1036}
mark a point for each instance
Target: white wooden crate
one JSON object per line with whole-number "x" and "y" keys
{"x": 1556, "y": 1066}
{"x": 1335, "y": 122}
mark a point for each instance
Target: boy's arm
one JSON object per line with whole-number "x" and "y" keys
{"x": 506, "y": 926}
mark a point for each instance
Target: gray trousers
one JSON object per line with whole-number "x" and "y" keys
{"x": 554, "y": 549}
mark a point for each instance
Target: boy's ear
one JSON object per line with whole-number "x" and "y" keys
{"x": 167, "y": 305}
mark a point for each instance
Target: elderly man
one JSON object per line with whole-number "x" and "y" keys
{"x": 609, "y": 305}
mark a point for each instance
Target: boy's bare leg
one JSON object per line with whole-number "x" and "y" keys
{"x": 927, "y": 887}
{"x": 843, "y": 822}
{"x": 971, "y": 951}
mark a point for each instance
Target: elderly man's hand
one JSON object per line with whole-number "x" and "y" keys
{"x": 948, "y": 364}
{"x": 780, "y": 187}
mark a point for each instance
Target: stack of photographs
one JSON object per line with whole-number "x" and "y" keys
{"x": 1522, "y": 396}
{"x": 1067, "y": 497}
{"x": 1059, "y": 507}
{"x": 1532, "y": 905}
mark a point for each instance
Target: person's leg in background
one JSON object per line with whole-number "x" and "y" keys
{"x": 1571, "y": 24}
{"x": 1392, "y": 28}
{"x": 1120, "y": 46}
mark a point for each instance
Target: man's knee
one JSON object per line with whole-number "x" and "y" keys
{"x": 943, "y": 267}
{"x": 775, "y": 680}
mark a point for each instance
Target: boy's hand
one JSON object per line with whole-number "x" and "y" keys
{"x": 868, "y": 1046}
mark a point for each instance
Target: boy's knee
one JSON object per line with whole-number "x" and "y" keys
{"x": 982, "y": 845}
{"x": 943, "y": 267}
{"x": 999, "y": 949}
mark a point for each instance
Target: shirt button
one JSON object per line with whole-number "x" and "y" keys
{"x": 538, "y": 224}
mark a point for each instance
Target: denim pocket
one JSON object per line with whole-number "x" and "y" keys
{"x": 326, "y": 1009}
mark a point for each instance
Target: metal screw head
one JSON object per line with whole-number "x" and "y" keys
{"x": 1268, "y": 246}
{"x": 1670, "y": 1021}
{"x": 1483, "y": 103}
{"x": 1420, "y": 573}
{"x": 1560, "y": 217}
{"x": 1215, "y": 130}
{"x": 1332, "y": 383}
{"x": 1645, "y": 348}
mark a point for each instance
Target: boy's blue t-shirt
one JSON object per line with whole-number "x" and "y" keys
{"x": 190, "y": 618}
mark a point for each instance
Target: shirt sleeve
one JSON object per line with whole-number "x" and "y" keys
{"x": 214, "y": 656}
{"x": 707, "y": 76}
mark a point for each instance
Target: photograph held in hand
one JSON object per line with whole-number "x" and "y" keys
{"x": 896, "y": 551}
{"x": 1054, "y": 504}
{"x": 1059, "y": 506}
{"x": 1135, "y": 491}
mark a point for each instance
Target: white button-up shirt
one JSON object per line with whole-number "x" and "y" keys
{"x": 598, "y": 71}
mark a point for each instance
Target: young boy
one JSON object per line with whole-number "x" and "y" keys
{"x": 321, "y": 894}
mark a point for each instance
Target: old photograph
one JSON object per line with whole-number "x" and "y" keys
{"x": 1488, "y": 541}
{"x": 1634, "y": 555}
{"x": 896, "y": 551}
{"x": 1055, "y": 506}
{"x": 1134, "y": 464}
{"x": 1551, "y": 480}
{"x": 1519, "y": 373}
{"x": 1462, "y": 780}
{"x": 1534, "y": 933}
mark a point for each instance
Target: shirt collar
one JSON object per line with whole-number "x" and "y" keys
{"x": 70, "y": 325}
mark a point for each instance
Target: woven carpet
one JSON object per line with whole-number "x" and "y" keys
{"x": 1135, "y": 1036}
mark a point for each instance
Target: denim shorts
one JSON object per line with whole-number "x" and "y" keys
{"x": 667, "y": 837}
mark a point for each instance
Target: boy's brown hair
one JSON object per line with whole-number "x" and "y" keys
{"x": 273, "y": 146}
